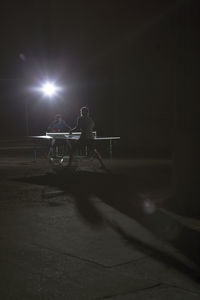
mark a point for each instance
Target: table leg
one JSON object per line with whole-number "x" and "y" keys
{"x": 110, "y": 149}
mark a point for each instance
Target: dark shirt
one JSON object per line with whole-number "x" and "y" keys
{"x": 58, "y": 126}
{"x": 86, "y": 126}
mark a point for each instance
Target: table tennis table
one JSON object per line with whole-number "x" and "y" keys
{"x": 75, "y": 136}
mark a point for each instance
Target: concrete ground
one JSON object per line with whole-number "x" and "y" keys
{"x": 87, "y": 234}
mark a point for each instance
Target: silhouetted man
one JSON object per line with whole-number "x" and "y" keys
{"x": 86, "y": 125}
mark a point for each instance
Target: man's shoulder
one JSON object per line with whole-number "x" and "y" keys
{"x": 85, "y": 119}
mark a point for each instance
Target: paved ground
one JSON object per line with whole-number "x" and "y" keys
{"x": 91, "y": 235}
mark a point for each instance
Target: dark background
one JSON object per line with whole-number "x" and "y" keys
{"x": 134, "y": 63}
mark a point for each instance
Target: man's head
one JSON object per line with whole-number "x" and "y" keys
{"x": 84, "y": 111}
{"x": 58, "y": 117}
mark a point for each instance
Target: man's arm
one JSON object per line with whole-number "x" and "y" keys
{"x": 66, "y": 126}
{"x": 77, "y": 125}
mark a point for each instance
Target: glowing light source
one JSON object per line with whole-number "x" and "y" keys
{"x": 49, "y": 89}
{"x": 149, "y": 206}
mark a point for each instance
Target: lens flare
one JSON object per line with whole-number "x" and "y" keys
{"x": 49, "y": 89}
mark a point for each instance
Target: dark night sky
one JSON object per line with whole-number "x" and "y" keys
{"x": 119, "y": 57}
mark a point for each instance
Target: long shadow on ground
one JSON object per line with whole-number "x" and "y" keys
{"x": 121, "y": 193}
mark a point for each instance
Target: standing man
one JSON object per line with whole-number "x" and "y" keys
{"x": 58, "y": 125}
{"x": 86, "y": 125}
